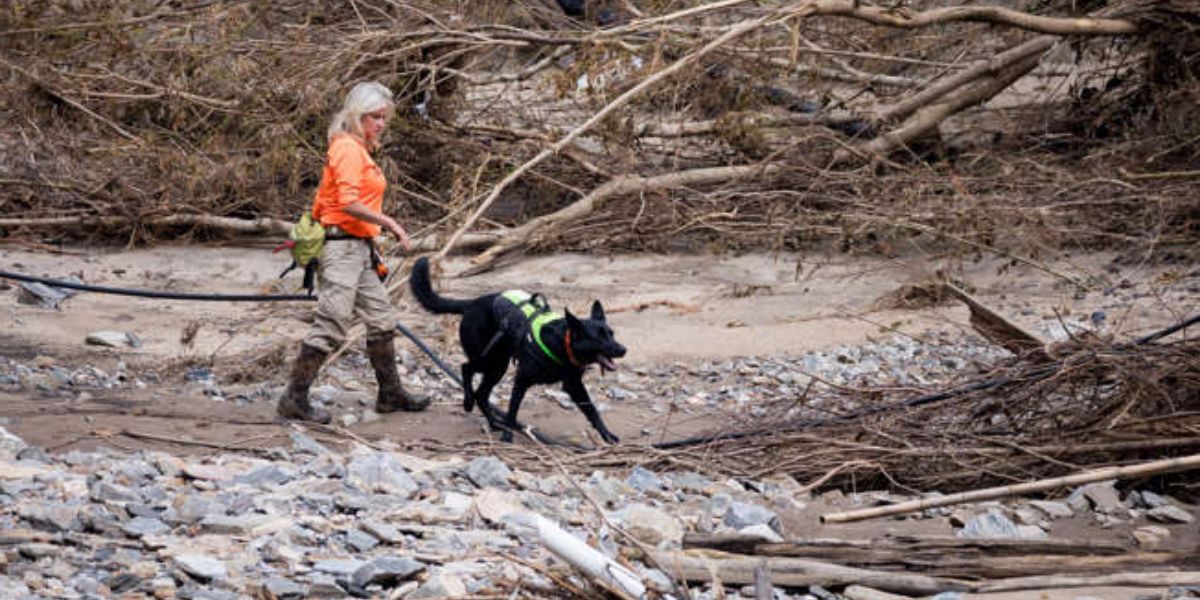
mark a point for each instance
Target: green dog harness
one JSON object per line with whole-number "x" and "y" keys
{"x": 537, "y": 314}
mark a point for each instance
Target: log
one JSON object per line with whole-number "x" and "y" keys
{"x": 762, "y": 581}
{"x": 858, "y": 592}
{"x": 906, "y": 19}
{"x": 997, "y": 329}
{"x": 927, "y": 118}
{"x": 899, "y": 546}
{"x": 1158, "y": 467}
{"x": 795, "y": 572}
{"x": 1155, "y": 579}
{"x": 945, "y": 85}
{"x": 261, "y": 225}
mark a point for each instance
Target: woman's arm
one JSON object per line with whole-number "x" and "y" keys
{"x": 359, "y": 211}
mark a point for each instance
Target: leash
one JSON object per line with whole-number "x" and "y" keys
{"x": 140, "y": 293}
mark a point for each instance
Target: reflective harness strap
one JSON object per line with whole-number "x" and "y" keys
{"x": 537, "y": 315}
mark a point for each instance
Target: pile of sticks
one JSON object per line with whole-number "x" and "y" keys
{"x": 1097, "y": 405}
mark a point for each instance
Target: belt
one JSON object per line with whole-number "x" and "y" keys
{"x": 335, "y": 233}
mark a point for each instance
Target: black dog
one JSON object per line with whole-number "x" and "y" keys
{"x": 548, "y": 347}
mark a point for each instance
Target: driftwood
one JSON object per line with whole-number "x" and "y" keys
{"x": 231, "y": 224}
{"x": 858, "y": 592}
{"x": 1156, "y": 579}
{"x": 1171, "y": 465}
{"x": 796, "y": 572}
{"x": 993, "y": 326}
{"x": 954, "y": 557}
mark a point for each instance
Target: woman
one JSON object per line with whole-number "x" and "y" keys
{"x": 349, "y": 203}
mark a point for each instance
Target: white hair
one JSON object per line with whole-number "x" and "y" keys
{"x": 365, "y": 97}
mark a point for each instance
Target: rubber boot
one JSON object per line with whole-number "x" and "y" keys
{"x": 294, "y": 403}
{"x": 392, "y": 395}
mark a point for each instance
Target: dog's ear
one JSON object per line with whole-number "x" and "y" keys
{"x": 597, "y": 311}
{"x": 572, "y": 321}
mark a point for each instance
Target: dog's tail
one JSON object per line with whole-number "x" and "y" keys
{"x": 422, "y": 289}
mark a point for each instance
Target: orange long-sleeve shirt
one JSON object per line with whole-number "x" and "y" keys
{"x": 350, "y": 176}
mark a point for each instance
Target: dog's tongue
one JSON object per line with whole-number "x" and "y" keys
{"x": 606, "y": 363}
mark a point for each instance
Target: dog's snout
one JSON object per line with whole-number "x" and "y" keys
{"x": 618, "y": 350}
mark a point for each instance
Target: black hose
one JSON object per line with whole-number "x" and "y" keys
{"x": 58, "y": 283}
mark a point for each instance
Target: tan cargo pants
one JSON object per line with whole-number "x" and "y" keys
{"x": 347, "y": 287}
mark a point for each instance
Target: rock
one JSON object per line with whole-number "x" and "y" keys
{"x": 380, "y": 472}
{"x": 38, "y": 550}
{"x": 54, "y": 517}
{"x": 488, "y": 471}
{"x": 267, "y": 477}
{"x": 763, "y": 532}
{"x": 104, "y": 491}
{"x": 338, "y": 566}
{"x": 1151, "y": 537}
{"x": 304, "y": 443}
{"x": 1170, "y": 514}
{"x": 493, "y": 504}
{"x": 742, "y": 514}
{"x": 203, "y": 568}
{"x": 360, "y": 541}
{"x": 284, "y": 589}
{"x": 382, "y": 532}
{"x": 1103, "y": 497}
{"x": 644, "y": 480}
{"x": 439, "y": 585}
{"x": 248, "y": 525}
{"x": 1148, "y": 500}
{"x": 112, "y": 339}
{"x": 40, "y": 294}
{"x": 649, "y": 524}
{"x": 386, "y": 571}
{"x": 140, "y": 526}
{"x": 993, "y": 524}
{"x": 204, "y": 472}
{"x": 12, "y": 588}
{"x": 1054, "y": 510}
{"x": 10, "y": 445}
{"x": 21, "y": 470}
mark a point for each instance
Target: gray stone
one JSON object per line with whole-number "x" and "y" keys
{"x": 267, "y": 477}
{"x": 36, "y": 550}
{"x": 1148, "y": 500}
{"x": 763, "y": 532}
{"x": 10, "y": 445}
{"x": 644, "y": 480}
{"x": 140, "y": 526}
{"x": 1170, "y": 514}
{"x": 1103, "y": 497}
{"x": 324, "y": 586}
{"x": 112, "y": 339}
{"x": 55, "y": 517}
{"x": 360, "y": 541}
{"x": 203, "y": 568}
{"x": 691, "y": 481}
{"x": 993, "y": 524}
{"x": 105, "y": 491}
{"x": 1151, "y": 537}
{"x": 1054, "y": 510}
{"x": 380, "y": 472}
{"x": 305, "y": 444}
{"x": 284, "y": 589}
{"x": 40, "y": 294}
{"x": 743, "y": 514}
{"x": 13, "y": 588}
{"x": 649, "y": 524}
{"x": 382, "y": 532}
{"x": 339, "y": 566}
{"x": 386, "y": 571}
{"x": 439, "y": 585}
{"x": 191, "y": 508}
{"x": 488, "y": 471}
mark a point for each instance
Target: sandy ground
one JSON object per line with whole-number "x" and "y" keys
{"x": 666, "y": 309}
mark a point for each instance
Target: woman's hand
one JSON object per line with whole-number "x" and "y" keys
{"x": 401, "y": 235}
